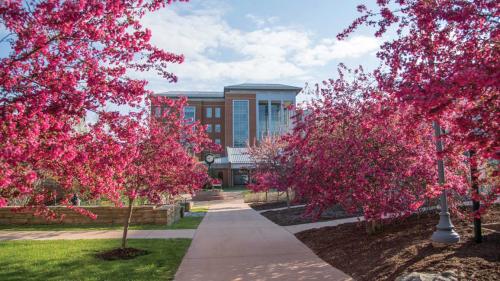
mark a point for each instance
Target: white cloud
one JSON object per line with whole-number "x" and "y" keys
{"x": 260, "y": 21}
{"x": 328, "y": 50}
{"x": 216, "y": 51}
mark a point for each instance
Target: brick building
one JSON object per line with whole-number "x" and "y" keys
{"x": 240, "y": 115}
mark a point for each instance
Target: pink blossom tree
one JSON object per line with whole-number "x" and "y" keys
{"x": 350, "y": 150}
{"x": 272, "y": 167}
{"x": 162, "y": 156}
{"x": 66, "y": 59}
{"x": 443, "y": 67}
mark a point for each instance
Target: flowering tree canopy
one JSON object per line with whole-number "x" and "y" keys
{"x": 68, "y": 58}
{"x": 272, "y": 166}
{"x": 443, "y": 67}
{"x": 165, "y": 149}
{"x": 349, "y": 150}
{"x": 161, "y": 155}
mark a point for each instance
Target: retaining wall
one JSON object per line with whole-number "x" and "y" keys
{"x": 166, "y": 214}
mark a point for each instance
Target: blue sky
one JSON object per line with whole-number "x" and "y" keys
{"x": 230, "y": 42}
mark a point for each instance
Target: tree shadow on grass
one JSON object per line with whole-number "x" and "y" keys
{"x": 81, "y": 263}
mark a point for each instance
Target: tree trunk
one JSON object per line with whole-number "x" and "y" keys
{"x": 266, "y": 195}
{"x": 127, "y": 223}
{"x": 288, "y": 198}
{"x": 478, "y": 236}
{"x": 373, "y": 227}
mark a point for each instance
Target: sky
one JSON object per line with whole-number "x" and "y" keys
{"x": 227, "y": 42}
{"x": 273, "y": 41}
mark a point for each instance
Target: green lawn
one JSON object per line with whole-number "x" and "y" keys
{"x": 236, "y": 188}
{"x": 69, "y": 227}
{"x": 74, "y": 260}
{"x": 184, "y": 223}
{"x": 200, "y": 209}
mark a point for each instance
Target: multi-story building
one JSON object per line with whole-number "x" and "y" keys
{"x": 241, "y": 115}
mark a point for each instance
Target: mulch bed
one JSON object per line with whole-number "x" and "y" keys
{"x": 121, "y": 254}
{"x": 297, "y": 215}
{"x": 260, "y": 206}
{"x": 405, "y": 247}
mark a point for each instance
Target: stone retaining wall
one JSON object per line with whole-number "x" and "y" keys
{"x": 272, "y": 196}
{"x": 208, "y": 195}
{"x": 166, "y": 214}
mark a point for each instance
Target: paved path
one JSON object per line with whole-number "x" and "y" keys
{"x": 235, "y": 243}
{"x": 301, "y": 227}
{"x": 95, "y": 234}
{"x": 282, "y": 208}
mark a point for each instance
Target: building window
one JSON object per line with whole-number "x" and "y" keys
{"x": 263, "y": 119}
{"x": 240, "y": 123}
{"x": 209, "y": 128}
{"x": 208, "y": 111}
{"x": 190, "y": 114}
{"x": 217, "y": 141}
{"x": 157, "y": 111}
{"x": 217, "y": 128}
{"x": 240, "y": 177}
{"x": 275, "y": 118}
{"x": 217, "y": 112}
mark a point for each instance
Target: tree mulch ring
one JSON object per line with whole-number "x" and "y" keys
{"x": 297, "y": 215}
{"x": 405, "y": 246}
{"x": 121, "y": 254}
{"x": 260, "y": 206}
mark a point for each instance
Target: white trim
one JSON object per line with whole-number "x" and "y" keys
{"x": 248, "y": 119}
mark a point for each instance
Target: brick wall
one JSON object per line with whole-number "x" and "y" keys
{"x": 167, "y": 214}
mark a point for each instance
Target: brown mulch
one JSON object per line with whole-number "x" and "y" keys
{"x": 260, "y": 206}
{"x": 297, "y": 215}
{"x": 121, "y": 254}
{"x": 405, "y": 246}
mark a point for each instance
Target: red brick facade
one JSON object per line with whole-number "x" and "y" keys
{"x": 221, "y": 128}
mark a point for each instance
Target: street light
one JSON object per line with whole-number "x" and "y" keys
{"x": 445, "y": 232}
{"x": 209, "y": 159}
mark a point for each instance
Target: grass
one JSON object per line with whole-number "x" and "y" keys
{"x": 199, "y": 209}
{"x": 75, "y": 260}
{"x": 70, "y": 227}
{"x": 184, "y": 223}
{"x": 236, "y": 188}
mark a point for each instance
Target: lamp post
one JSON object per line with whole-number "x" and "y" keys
{"x": 209, "y": 159}
{"x": 445, "y": 233}
{"x": 478, "y": 237}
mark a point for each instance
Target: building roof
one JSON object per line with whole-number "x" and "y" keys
{"x": 238, "y": 155}
{"x": 259, "y": 86}
{"x": 191, "y": 94}
{"x": 220, "y": 161}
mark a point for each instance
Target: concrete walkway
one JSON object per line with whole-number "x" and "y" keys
{"x": 281, "y": 208}
{"x": 95, "y": 234}
{"x": 236, "y": 243}
{"x": 301, "y": 227}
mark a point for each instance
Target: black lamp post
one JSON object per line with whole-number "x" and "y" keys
{"x": 209, "y": 159}
{"x": 75, "y": 200}
{"x": 478, "y": 237}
